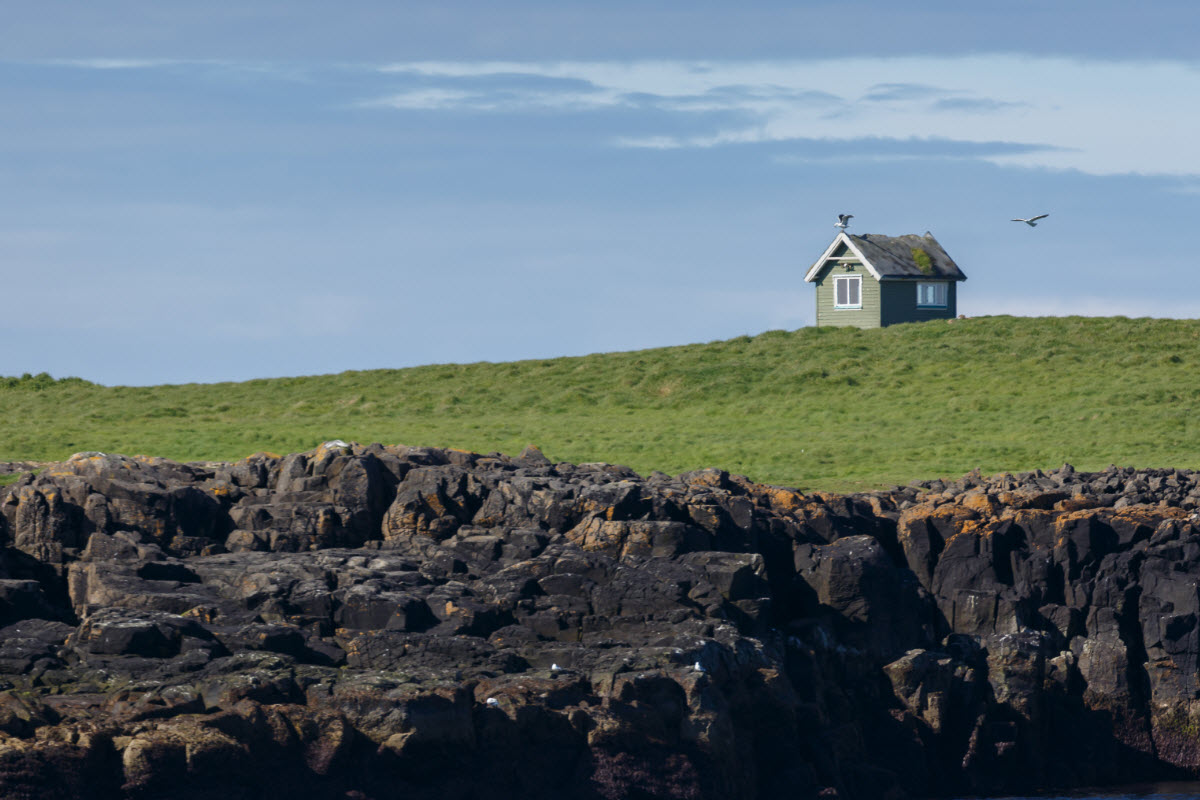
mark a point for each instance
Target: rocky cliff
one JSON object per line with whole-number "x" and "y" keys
{"x": 394, "y": 622}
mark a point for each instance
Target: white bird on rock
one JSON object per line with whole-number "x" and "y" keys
{"x": 1032, "y": 221}
{"x": 843, "y": 221}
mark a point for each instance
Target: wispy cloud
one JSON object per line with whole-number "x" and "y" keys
{"x": 509, "y": 100}
{"x": 1095, "y": 117}
{"x": 747, "y": 98}
{"x": 880, "y": 149}
{"x": 981, "y": 105}
{"x": 935, "y": 98}
{"x": 886, "y": 92}
{"x": 269, "y": 69}
{"x": 115, "y": 63}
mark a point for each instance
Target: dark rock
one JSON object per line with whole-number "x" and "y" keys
{"x": 877, "y": 606}
{"x": 418, "y": 622}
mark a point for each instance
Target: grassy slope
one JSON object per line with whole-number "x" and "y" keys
{"x": 816, "y": 408}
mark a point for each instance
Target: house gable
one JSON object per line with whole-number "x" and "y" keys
{"x": 841, "y": 250}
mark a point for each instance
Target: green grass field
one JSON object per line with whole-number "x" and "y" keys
{"x": 818, "y": 408}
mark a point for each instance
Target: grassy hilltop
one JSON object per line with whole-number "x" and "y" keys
{"x": 818, "y": 408}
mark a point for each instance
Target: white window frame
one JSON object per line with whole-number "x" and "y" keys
{"x": 850, "y": 280}
{"x": 940, "y": 290}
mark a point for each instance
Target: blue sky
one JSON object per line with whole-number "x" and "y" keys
{"x": 225, "y": 191}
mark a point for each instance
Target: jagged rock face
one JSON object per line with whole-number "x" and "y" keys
{"x": 387, "y": 622}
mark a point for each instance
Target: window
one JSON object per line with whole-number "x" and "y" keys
{"x": 847, "y": 291}
{"x": 931, "y": 295}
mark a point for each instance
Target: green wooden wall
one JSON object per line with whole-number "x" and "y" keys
{"x": 866, "y": 317}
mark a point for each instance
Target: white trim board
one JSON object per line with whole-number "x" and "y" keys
{"x": 841, "y": 238}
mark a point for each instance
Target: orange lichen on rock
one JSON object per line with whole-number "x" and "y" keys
{"x": 1077, "y": 503}
{"x": 981, "y": 502}
{"x": 1026, "y": 517}
{"x": 781, "y": 499}
{"x": 1140, "y": 515}
{"x": 976, "y": 527}
{"x": 947, "y": 512}
{"x": 623, "y": 538}
{"x": 1150, "y": 515}
{"x": 878, "y": 506}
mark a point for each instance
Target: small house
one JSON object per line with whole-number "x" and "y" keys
{"x": 871, "y": 281}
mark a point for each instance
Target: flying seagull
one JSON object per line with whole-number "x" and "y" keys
{"x": 843, "y": 221}
{"x": 1032, "y": 221}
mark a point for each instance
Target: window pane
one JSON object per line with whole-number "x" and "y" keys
{"x": 854, "y": 287}
{"x": 931, "y": 294}
{"x": 840, "y": 286}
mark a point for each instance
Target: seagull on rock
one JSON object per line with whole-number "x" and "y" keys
{"x": 1032, "y": 221}
{"x": 843, "y": 221}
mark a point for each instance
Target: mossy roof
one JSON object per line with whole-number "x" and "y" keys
{"x": 895, "y": 257}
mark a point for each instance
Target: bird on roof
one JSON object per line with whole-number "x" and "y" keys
{"x": 1032, "y": 221}
{"x": 843, "y": 221}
